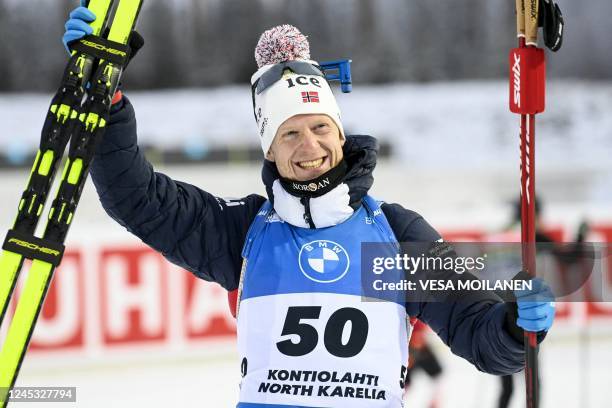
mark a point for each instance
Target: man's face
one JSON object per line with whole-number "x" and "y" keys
{"x": 306, "y": 146}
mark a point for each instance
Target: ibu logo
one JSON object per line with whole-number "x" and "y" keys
{"x": 323, "y": 261}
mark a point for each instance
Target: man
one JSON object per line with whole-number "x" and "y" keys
{"x": 295, "y": 255}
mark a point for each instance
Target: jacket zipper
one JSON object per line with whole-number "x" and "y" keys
{"x": 307, "y": 216}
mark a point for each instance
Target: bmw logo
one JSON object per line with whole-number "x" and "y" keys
{"x": 323, "y": 261}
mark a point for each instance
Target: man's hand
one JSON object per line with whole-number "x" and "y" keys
{"x": 536, "y": 307}
{"x": 534, "y": 310}
{"x": 77, "y": 25}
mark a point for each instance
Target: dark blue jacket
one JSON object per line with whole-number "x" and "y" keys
{"x": 204, "y": 235}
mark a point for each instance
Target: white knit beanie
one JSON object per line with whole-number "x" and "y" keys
{"x": 294, "y": 94}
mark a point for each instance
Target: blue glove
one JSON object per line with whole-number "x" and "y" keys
{"x": 77, "y": 25}
{"x": 536, "y": 307}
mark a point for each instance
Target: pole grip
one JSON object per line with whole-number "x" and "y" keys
{"x": 531, "y": 22}
{"x": 520, "y": 18}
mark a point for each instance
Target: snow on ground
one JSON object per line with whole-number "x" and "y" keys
{"x": 432, "y": 128}
{"x": 455, "y": 144}
{"x": 575, "y": 373}
{"x": 465, "y": 124}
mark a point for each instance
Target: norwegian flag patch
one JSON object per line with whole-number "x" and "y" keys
{"x": 310, "y": 97}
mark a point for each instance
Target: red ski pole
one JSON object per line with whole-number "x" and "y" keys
{"x": 527, "y": 76}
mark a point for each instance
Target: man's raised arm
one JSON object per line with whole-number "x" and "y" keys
{"x": 189, "y": 226}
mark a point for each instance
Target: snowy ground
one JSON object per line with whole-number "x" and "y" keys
{"x": 575, "y": 373}
{"x": 433, "y": 128}
{"x": 464, "y": 124}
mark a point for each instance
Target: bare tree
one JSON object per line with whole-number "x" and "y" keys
{"x": 210, "y": 42}
{"x": 5, "y": 51}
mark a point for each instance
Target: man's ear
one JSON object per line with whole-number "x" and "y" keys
{"x": 270, "y": 155}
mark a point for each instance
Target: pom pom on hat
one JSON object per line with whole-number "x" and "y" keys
{"x": 281, "y": 43}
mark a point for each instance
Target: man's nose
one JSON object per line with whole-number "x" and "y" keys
{"x": 309, "y": 140}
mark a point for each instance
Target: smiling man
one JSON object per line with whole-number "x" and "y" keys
{"x": 306, "y": 338}
{"x": 306, "y": 147}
